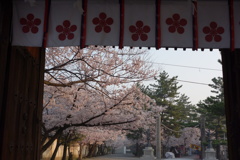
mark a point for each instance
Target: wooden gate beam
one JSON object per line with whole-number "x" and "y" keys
{"x": 231, "y": 79}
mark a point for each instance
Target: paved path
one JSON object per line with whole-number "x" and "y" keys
{"x": 115, "y": 156}
{"x": 131, "y": 157}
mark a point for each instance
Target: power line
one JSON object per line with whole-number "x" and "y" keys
{"x": 184, "y": 81}
{"x": 175, "y": 65}
{"x": 193, "y": 82}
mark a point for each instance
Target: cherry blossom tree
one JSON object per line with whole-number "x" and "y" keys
{"x": 129, "y": 109}
{"x": 90, "y": 109}
{"x": 188, "y": 136}
{"x": 66, "y": 138}
{"x": 96, "y": 67}
{"x": 101, "y": 138}
{"x": 120, "y": 141}
{"x": 92, "y": 87}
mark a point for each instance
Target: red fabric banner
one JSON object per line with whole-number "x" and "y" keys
{"x": 134, "y": 23}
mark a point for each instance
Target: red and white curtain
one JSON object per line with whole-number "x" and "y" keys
{"x": 176, "y": 24}
{"x": 28, "y": 22}
{"x": 64, "y": 28}
{"x": 135, "y": 23}
{"x": 213, "y": 24}
{"x": 103, "y": 22}
{"x": 139, "y": 23}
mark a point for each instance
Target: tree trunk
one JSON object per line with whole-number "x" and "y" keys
{"x": 64, "y": 157}
{"x": 101, "y": 149}
{"x": 56, "y": 149}
{"x": 104, "y": 152}
{"x": 80, "y": 151}
{"x": 113, "y": 150}
{"x": 164, "y": 150}
{"x": 218, "y": 154}
{"x": 70, "y": 155}
{"x": 51, "y": 140}
{"x": 137, "y": 150}
{"x": 92, "y": 150}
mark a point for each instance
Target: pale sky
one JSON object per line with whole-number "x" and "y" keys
{"x": 200, "y": 59}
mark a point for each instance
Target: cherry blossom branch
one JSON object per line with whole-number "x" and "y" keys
{"x": 63, "y": 64}
{"x": 64, "y": 84}
{"x": 106, "y": 124}
{"x": 105, "y": 111}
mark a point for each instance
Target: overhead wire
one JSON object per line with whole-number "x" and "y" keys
{"x": 193, "y": 82}
{"x": 192, "y": 67}
{"x": 176, "y": 65}
{"x": 184, "y": 81}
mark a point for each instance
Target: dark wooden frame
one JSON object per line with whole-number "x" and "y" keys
{"x": 231, "y": 79}
{"x": 21, "y": 95}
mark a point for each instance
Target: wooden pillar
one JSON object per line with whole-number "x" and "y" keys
{"x": 231, "y": 78}
{"x": 21, "y": 94}
{"x": 5, "y": 26}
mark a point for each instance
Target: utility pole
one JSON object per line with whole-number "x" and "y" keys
{"x": 158, "y": 145}
{"x": 203, "y": 136}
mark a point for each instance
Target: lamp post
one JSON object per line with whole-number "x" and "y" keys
{"x": 210, "y": 153}
{"x": 209, "y": 140}
{"x": 148, "y": 151}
